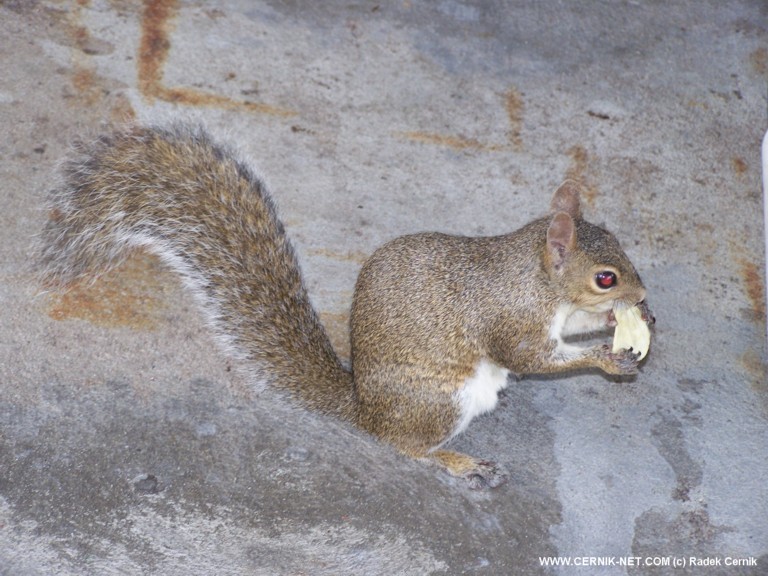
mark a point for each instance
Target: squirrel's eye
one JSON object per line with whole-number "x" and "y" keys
{"x": 606, "y": 279}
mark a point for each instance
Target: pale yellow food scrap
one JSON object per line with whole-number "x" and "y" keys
{"x": 631, "y": 330}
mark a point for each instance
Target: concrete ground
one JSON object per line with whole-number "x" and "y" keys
{"x": 130, "y": 445}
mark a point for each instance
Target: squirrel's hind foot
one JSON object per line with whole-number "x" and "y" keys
{"x": 480, "y": 474}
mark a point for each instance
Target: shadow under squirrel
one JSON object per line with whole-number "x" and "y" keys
{"x": 438, "y": 322}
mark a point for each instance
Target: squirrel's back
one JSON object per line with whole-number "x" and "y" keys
{"x": 210, "y": 218}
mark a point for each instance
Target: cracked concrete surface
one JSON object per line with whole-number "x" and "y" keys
{"x": 130, "y": 445}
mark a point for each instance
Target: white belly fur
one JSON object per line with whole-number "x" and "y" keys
{"x": 480, "y": 392}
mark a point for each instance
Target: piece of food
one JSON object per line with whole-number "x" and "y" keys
{"x": 632, "y": 332}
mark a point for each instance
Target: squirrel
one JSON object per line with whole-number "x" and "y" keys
{"x": 438, "y": 322}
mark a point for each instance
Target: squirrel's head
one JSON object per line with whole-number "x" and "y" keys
{"x": 586, "y": 261}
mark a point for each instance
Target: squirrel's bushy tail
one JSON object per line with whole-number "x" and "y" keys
{"x": 206, "y": 215}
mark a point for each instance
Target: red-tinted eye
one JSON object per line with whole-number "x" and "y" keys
{"x": 606, "y": 279}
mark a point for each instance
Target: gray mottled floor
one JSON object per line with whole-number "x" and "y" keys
{"x": 130, "y": 445}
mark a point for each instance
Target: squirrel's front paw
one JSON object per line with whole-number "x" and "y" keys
{"x": 622, "y": 363}
{"x": 646, "y": 314}
{"x": 486, "y": 475}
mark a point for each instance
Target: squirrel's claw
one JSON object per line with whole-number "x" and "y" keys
{"x": 486, "y": 475}
{"x": 646, "y": 314}
{"x": 621, "y": 363}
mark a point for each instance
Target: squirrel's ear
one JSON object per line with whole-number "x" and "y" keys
{"x": 561, "y": 239}
{"x": 566, "y": 199}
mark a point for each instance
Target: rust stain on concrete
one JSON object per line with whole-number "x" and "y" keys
{"x": 757, "y": 369}
{"x": 752, "y": 278}
{"x": 580, "y": 171}
{"x": 154, "y": 47}
{"x": 739, "y": 165}
{"x": 156, "y": 25}
{"x": 513, "y": 105}
{"x": 455, "y": 142}
{"x": 759, "y": 61}
{"x": 122, "y": 110}
{"x": 89, "y": 89}
{"x": 126, "y": 296}
{"x": 513, "y": 101}
{"x": 86, "y": 85}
